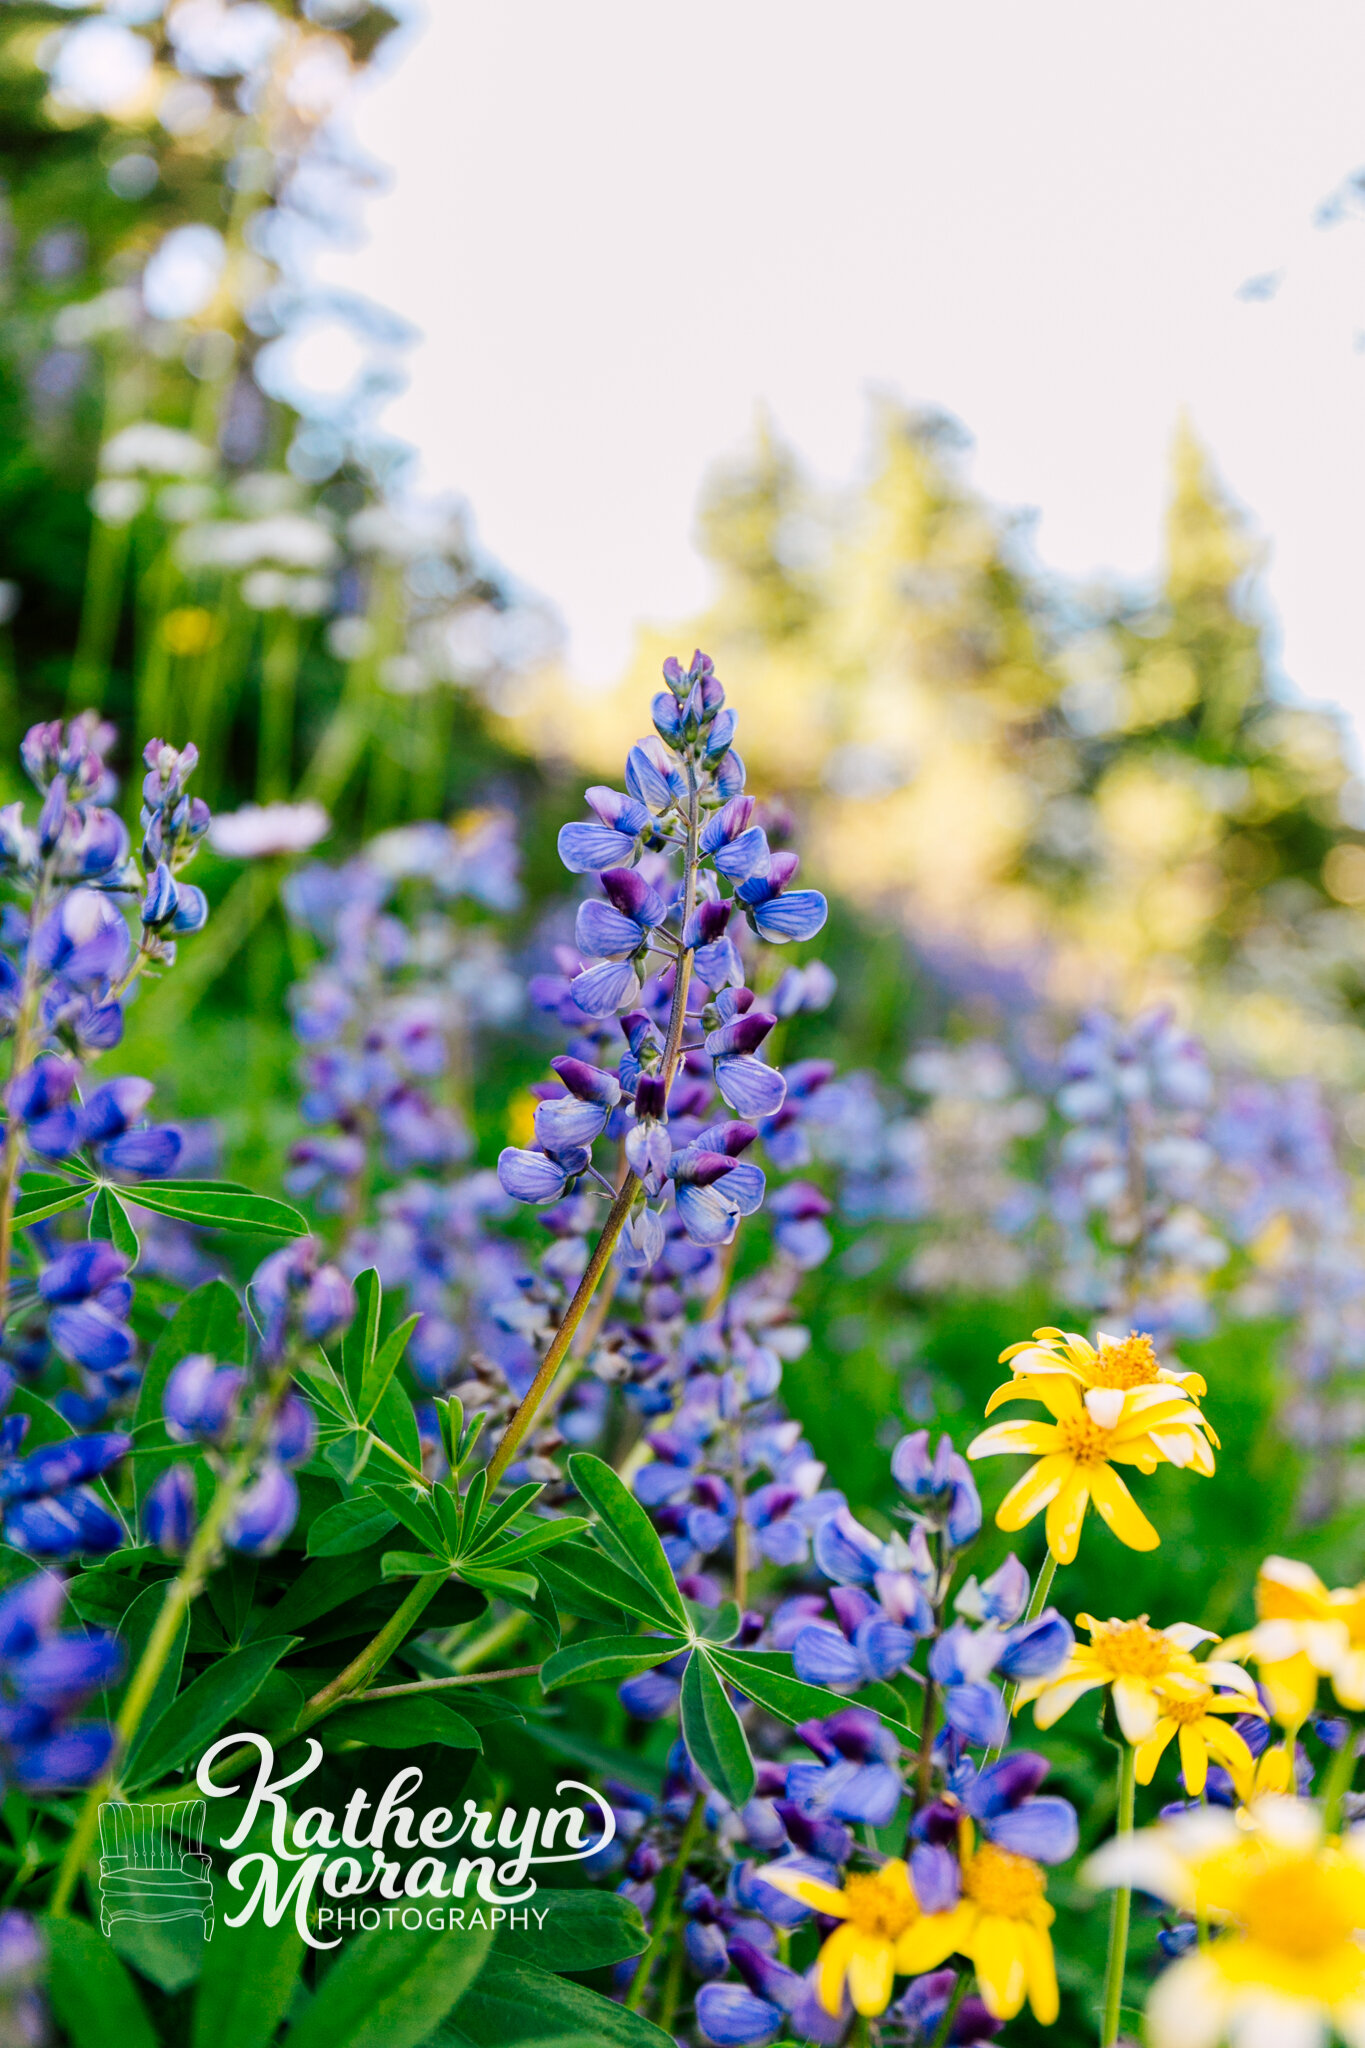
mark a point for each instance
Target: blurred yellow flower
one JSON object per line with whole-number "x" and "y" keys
{"x": 1304, "y": 1632}
{"x": 521, "y": 1118}
{"x": 1123, "y": 1362}
{"x": 880, "y": 1914}
{"x": 1286, "y": 1966}
{"x": 1091, "y": 1433}
{"x": 1136, "y": 1661}
{"x": 1187, "y": 1705}
{"x": 188, "y": 629}
{"x": 1000, "y": 1924}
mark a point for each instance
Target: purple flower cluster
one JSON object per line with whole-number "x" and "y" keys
{"x": 687, "y": 876}
{"x": 46, "y": 1675}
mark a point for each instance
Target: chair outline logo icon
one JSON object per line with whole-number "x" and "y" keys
{"x": 152, "y": 1863}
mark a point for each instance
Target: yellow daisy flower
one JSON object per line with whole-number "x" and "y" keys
{"x": 1122, "y": 1362}
{"x": 1286, "y": 1966}
{"x": 1304, "y": 1632}
{"x": 1135, "y": 1661}
{"x": 879, "y": 1912}
{"x": 1188, "y": 1705}
{"x": 1091, "y": 1432}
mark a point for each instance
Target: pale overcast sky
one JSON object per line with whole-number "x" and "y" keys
{"x": 619, "y": 226}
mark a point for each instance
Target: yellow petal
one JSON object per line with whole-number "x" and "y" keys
{"x": 1135, "y": 1704}
{"x": 1067, "y": 1512}
{"x": 1150, "y": 1752}
{"x": 1038, "y": 1486}
{"x": 1194, "y": 1760}
{"x": 934, "y": 1938}
{"x": 1041, "y": 1971}
{"x": 1056, "y": 1391}
{"x": 832, "y": 1968}
{"x": 1033, "y": 1436}
{"x": 998, "y": 1953}
{"x": 1228, "y": 1745}
{"x": 1054, "y": 1700}
{"x": 1121, "y": 1511}
{"x": 823, "y": 1897}
{"x": 871, "y": 1973}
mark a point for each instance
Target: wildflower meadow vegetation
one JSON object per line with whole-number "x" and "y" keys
{"x": 784, "y": 1244}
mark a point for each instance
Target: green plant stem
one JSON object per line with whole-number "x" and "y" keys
{"x": 99, "y": 617}
{"x": 183, "y": 1589}
{"x": 1042, "y": 1587}
{"x": 374, "y": 1656}
{"x": 621, "y": 1207}
{"x": 473, "y": 1653}
{"x": 279, "y": 674}
{"x": 1337, "y": 1783}
{"x": 1121, "y": 1907}
{"x": 943, "y": 2032}
{"x": 396, "y": 1692}
{"x": 669, "y": 1878}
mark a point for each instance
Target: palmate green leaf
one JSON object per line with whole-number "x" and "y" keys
{"x": 391, "y": 1989}
{"x": 361, "y": 1341}
{"x": 246, "y": 1983}
{"x": 587, "y": 1583}
{"x": 506, "y": 1511}
{"x": 472, "y": 1509}
{"x": 205, "y": 1706}
{"x": 766, "y": 1677}
{"x": 582, "y": 1931}
{"x": 110, "y": 1220}
{"x": 518, "y": 1587}
{"x": 411, "y": 1564}
{"x": 46, "y": 1194}
{"x": 711, "y": 1728}
{"x": 402, "y": 1724}
{"x": 528, "y": 1542}
{"x": 381, "y": 1368}
{"x": 350, "y": 1525}
{"x": 91, "y": 1993}
{"x": 46, "y": 1424}
{"x": 417, "y": 1518}
{"x": 513, "y": 2004}
{"x": 613, "y": 1657}
{"x": 393, "y": 1423}
{"x": 626, "y": 1532}
{"x": 221, "y": 1205}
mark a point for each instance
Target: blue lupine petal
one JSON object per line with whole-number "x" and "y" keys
{"x": 732, "y": 2017}
{"x": 820, "y": 1657}
{"x": 746, "y": 1185}
{"x": 1004, "y": 1595}
{"x": 751, "y": 1088}
{"x": 602, "y": 990}
{"x": 565, "y": 1122}
{"x": 719, "y": 965}
{"x": 978, "y": 1714}
{"x": 745, "y": 856}
{"x": 1038, "y": 1650}
{"x": 55, "y": 1466}
{"x": 886, "y": 1647}
{"x": 585, "y": 848}
{"x": 112, "y": 1108}
{"x": 265, "y": 1513}
{"x": 87, "y": 1337}
{"x": 846, "y": 1552}
{"x": 797, "y": 914}
{"x": 70, "y": 1758}
{"x": 1006, "y": 1783}
{"x": 601, "y": 931}
{"x": 28, "y": 1611}
{"x": 936, "y": 1876}
{"x": 529, "y": 1176}
{"x": 706, "y": 1214}
{"x": 82, "y": 1270}
{"x": 62, "y": 1526}
{"x": 62, "y": 1670}
{"x": 149, "y": 1153}
{"x": 649, "y": 1696}
{"x": 1044, "y": 1829}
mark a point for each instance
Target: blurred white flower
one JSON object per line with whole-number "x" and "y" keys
{"x": 111, "y": 312}
{"x": 182, "y": 275}
{"x": 221, "y": 41}
{"x": 99, "y": 68}
{"x": 274, "y": 590}
{"x": 350, "y": 638}
{"x": 117, "y": 499}
{"x": 287, "y": 540}
{"x": 153, "y": 450}
{"x": 186, "y": 106}
{"x": 259, "y": 831}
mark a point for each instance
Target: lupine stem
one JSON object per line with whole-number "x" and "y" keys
{"x": 621, "y": 1207}
{"x": 669, "y": 1878}
{"x": 1121, "y": 1908}
{"x": 395, "y": 1692}
{"x": 1042, "y": 1587}
{"x": 943, "y": 2032}
{"x": 374, "y": 1656}
{"x": 1338, "y": 1781}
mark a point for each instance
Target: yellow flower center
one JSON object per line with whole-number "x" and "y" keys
{"x": 1001, "y": 1882}
{"x": 1134, "y": 1649}
{"x": 877, "y": 1904}
{"x": 1183, "y": 1710}
{"x": 1131, "y": 1363}
{"x": 1297, "y": 1910}
{"x": 1084, "y": 1440}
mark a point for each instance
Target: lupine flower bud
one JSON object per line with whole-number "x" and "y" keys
{"x": 169, "y": 1513}
{"x": 201, "y": 1399}
{"x": 265, "y": 1513}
